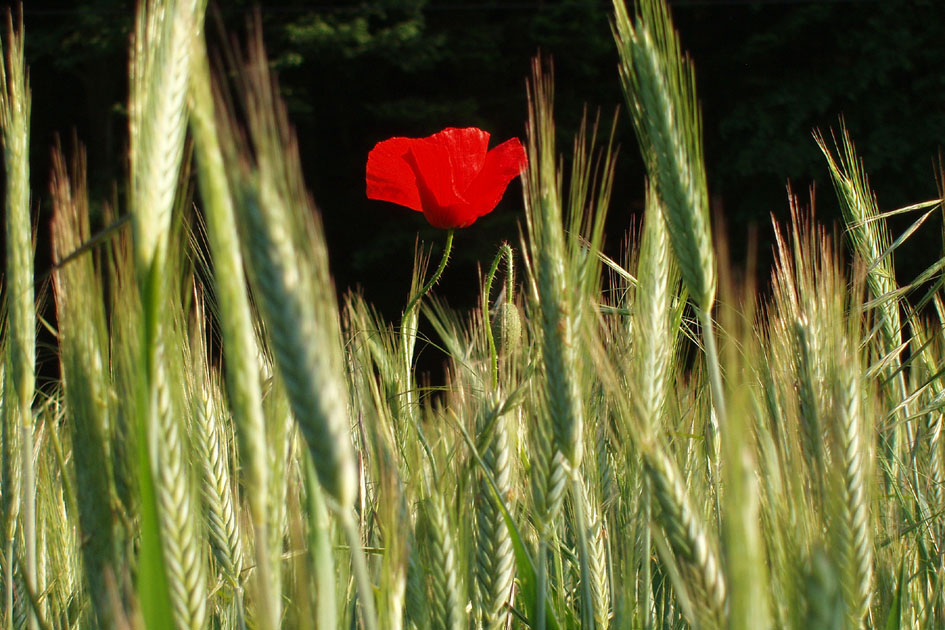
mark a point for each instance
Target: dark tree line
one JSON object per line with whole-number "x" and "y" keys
{"x": 355, "y": 73}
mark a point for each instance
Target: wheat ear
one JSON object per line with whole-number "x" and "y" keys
{"x": 495, "y": 561}
{"x": 81, "y": 318}
{"x": 694, "y": 550}
{"x": 445, "y": 602}
{"x": 559, "y": 321}
{"x": 659, "y": 85}
{"x": 20, "y": 301}
{"x": 853, "y": 518}
{"x": 216, "y": 487}
{"x": 236, "y": 323}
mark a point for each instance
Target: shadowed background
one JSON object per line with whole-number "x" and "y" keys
{"x": 355, "y": 73}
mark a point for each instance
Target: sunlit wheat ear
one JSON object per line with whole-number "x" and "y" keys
{"x": 559, "y": 325}
{"x": 289, "y": 274}
{"x": 495, "y": 561}
{"x": 20, "y": 325}
{"x": 177, "y": 515}
{"x": 208, "y": 435}
{"x": 171, "y": 556}
{"x": 63, "y": 563}
{"x": 446, "y": 605}
{"x": 926, "y": 344}
{"x": 160, "y": 72}
{"x": 851, "y": 511}
{"x": 216, "y": 487}
{"x": 659, "y": 86}
{"x": 14, "y": 125}
{"x": 597, "y": 560}
{"x": 872, "y": 243}
{"x": 82, "y": 342}
{"x": 867, "y": 231}
{"x": 652, "y": 334}
{"x": 280, "y": 431}
{"x": 547, "y": 473}
{"x": 234, "y": 317}
{"x": 694, "y": 551}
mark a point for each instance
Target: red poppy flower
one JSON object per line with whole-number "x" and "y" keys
{"x": 450, "y": 176}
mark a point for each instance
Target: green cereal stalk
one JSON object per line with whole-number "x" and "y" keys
{"x": 235, "y": 319}
{"x": 289, "y": 274}
{"x": 302, "y": 350}
{"x": 652, "y": 336}
{"x": 659, "y": 85}
{"x": 446, "y": 605}
{"x": 159, "y": 79}
{"x": 216, "y": 487}
{"x": 21, "y": 309}
{"x": 693, "y": 549}
{"x": 82, "y": 336}
{"x": 182, "y": 547}
{"x": 597, "y": 561}
{"x": 416, "y": 607}
{"x": 559, "y": 317}
{"x": 853, "y": 510}
{"x": 823, "y": 595}
{"x": 495, "y": 561}
{"x": 9, "y": 484}
{"x": 555, "y": 462}
{"x": 871, "y": 241}
{"x": 160, "y": 71}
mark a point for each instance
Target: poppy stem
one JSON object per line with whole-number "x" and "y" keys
{"x": 433, "y": 279}
{"x": 408, "y": 335}
{"x": 504, "y": 251}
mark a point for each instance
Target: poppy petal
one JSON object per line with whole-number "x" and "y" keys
{"x": 441, "y": 205}
{"x": 390, "y": 177}
{"x": 502, "y": 164}
{"x": 466, "y": 149}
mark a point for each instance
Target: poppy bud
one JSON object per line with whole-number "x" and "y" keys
{"x": 506, "y": 328}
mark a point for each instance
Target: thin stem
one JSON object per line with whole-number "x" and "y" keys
{"x": 714, "y": 367}
{"x": 718, "y": 393}
{"x": 365, "y": 588}
{"x": 8, "y": 584}
{"x": 436, "y": 275}
{"x": 408, "y": 326}
{"x": 587, "y": 604}
{"x": 505, "y": 251}
{"x": 648, "y": 614}
{"x": 540, "y": 619}
{"x": 29, "y": 503}
{"x": 509, "y": 274}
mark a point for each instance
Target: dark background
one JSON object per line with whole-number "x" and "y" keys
{"x": 355, "y": 73}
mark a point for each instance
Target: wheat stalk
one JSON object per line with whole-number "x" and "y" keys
{"x": 855, "y": 545}
{"x": 559, "y": 317}
{"x": 216, "y": 487}
{"x": 495, "y": 562}
{"x": 687, "y": 536}
{"x": 236, "y": 322}
{"x": 182, "y": 548}
{"x": 21, "y": 314}
{"x": 659, "y": 86}
{"x": 446, "y": 606}
{"x": 81, "y": 318}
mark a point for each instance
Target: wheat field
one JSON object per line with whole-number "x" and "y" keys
{"x": 642, "y": 441}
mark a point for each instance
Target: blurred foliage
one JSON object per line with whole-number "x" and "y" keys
{"x": 355, "y": 73}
